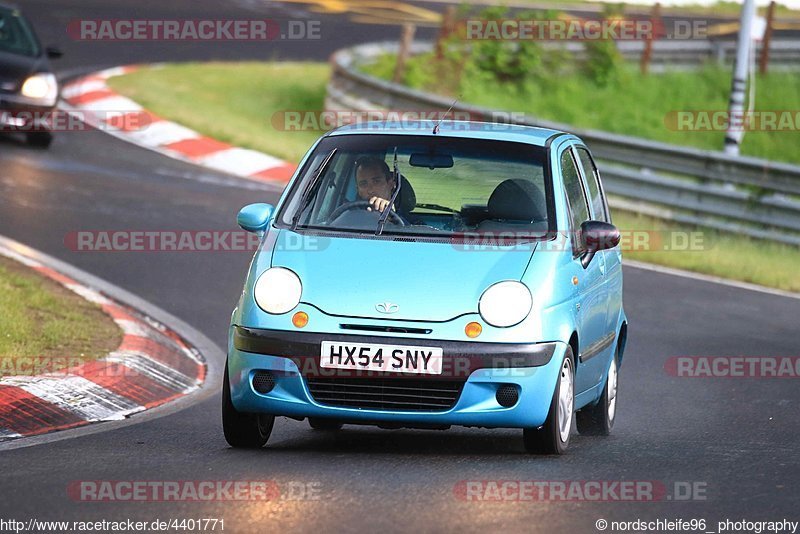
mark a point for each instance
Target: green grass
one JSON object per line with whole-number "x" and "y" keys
{"x": 635, "y": 104}
{"x": 717, "y": 253}
{"x": 46, "y": 327}
{"x": 239, "y": 103}
{"x": 248, "y": 101}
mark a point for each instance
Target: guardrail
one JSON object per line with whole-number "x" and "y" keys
{"x": 752, "y": 196}
{"x": 783, "y": 53}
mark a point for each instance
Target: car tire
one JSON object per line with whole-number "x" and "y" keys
{"x": 553, "y": 436}
{"x": 39, "y": 139}
{"x": 320, "y": 423}
{"x": 598, "y": 419}
{"x": 243, "y": 430}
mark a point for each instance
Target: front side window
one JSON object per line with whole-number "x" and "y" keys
{"x": 447, "y": 185}
{"x": 578, "y": 207}
{"x": 16, "y": 36}
{"x": 593, "y": 183}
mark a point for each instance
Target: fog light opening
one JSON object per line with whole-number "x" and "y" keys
{"x": 507, "y": 395}
{"x": 263, "y": 382}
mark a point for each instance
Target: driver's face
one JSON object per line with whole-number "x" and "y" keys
{"x": 371, "y": 182}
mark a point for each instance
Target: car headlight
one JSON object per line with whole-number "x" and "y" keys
{"x": 42, "y": 86}
{"x": 277, "y": 290}
{"x": 505, "y": 303}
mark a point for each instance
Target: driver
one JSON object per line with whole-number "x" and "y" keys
{"x": 374, "y": 182}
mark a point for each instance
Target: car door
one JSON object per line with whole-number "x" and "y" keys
{"x": 591, "y": 299}
{"x": 613, "y": 256}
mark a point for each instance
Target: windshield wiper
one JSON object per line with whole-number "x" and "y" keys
{"x": 398, "y": 183}
{"x": 437, "y": 207}
{"x": 305, "y": 200}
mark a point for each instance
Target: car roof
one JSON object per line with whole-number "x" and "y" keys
{"x": 462, "y": 129}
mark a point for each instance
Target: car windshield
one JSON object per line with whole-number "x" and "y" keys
{"x": 447, "y": 185}
{"x": 16, "y": 35}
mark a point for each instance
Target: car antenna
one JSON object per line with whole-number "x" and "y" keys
{"x": 436, "y": 128}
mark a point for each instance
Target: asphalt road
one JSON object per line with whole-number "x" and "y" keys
{"x": 735, "y": 439}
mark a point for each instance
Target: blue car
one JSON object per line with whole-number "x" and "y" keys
{"x": 423, "y": 275}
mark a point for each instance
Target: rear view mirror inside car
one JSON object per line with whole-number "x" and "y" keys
{"x": 431, "y": 161}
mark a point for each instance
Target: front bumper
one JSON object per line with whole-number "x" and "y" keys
{"x": 21, "y": 114}
{"x": 293, "y": 357}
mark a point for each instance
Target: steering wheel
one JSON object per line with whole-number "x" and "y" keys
{"x": 363, "y": 204}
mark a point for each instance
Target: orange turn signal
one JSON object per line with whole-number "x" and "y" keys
{"x": 473, "y": 329}
{"x": 300, "y": 319}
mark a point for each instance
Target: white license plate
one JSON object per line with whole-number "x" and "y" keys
{"x": 373, "y": 357}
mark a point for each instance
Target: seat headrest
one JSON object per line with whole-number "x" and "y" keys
{"x": 517, "y": 200}
{"x": 407, "y": 198}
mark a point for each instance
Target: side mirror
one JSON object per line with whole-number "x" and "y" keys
{"x": 53, "y": 52}
{"x": 597, "y": 236}
{"x": 255, "y": 217}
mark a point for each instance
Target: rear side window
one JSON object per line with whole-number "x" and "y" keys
{"x": 593, "y": 183}
{"x": 578, "y": 207}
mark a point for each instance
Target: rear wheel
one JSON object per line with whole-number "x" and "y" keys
{"x": 598, "y": 420}
{"x": 320, "y": 423}
{"x": 243, "y": 430}
{"x": 39, "y": 139}
{"x": 553, "y": 436}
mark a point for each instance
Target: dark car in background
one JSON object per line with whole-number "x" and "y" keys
{"x": 28, "y": 88}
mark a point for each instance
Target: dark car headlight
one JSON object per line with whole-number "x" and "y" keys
{"x": 42, "y": 86}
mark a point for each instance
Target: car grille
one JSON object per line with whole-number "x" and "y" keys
{"x": 396, "y": 394}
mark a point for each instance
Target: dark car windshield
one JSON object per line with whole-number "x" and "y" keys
{"x": 16, "y": 36}
{"x": 448, "y": 185}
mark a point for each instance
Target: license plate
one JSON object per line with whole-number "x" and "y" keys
{"x": 373, "y": 357}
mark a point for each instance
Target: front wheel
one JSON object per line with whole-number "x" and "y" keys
{"x": 598, "y": 420}
{"x": 553, "y": 436}
{"x": 243, "y": 430}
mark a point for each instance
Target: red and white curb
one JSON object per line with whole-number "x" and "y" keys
{"x": 123, "y": 118}
{"x": 153, "y": 365}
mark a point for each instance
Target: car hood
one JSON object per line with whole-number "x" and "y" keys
{"x": 15, "y": 68}
{"x": 425, "y": 281}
